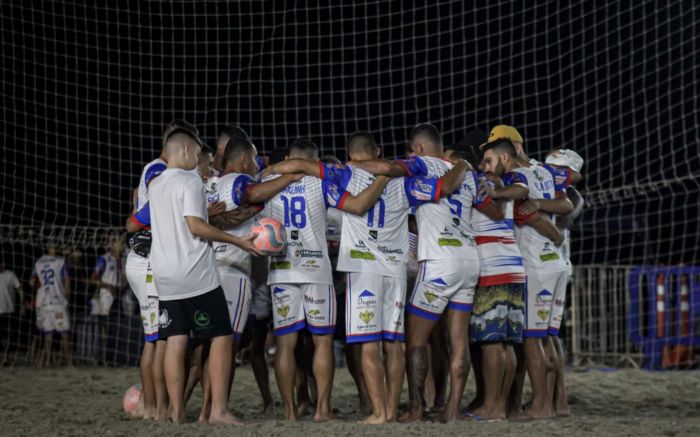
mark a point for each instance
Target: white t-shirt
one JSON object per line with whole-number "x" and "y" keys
{"x": 301, "y": 208}
{"x": 8, "y": 286}
{"x": 183, "y": 265}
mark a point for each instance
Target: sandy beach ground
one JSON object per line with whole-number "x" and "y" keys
{"x": 87, "y": 402}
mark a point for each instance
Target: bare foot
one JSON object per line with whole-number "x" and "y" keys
{"x": 177, "y": 418}
{"x": 268, "y": 408}
{"x": 303, "y": 409}
{"x": 411, "y": 416}
{"x": 224, "y": 419}
{"x": 449, "y": 415}
{"x": 373, "y": 420}
{"x": 323, "y": 417}
{"x": 290, "y": 413}
{"x": 488, "y": 415}
{"x": 530, "y": 412}
{"x": 562, "y": 411}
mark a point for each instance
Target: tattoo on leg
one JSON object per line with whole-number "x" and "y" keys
{"x": 417, "y": 366}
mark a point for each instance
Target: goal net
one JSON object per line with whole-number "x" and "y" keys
{"x": 87, "y": 90}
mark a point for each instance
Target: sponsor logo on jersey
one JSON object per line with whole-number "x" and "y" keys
{"x": 295, "y": 234}
{"x": 283, "y": 310}
{"x": 423, "y": 191}
{"x": 221, "y": 248}
{"x": 373, "y": 235}
{"x": 446, "y": 232}
{"x": 449, "y": 242}
{"x": 202, "y": 319}
{"x": 367, "y": 316}
{"x": 551, "y": 256}
{"x": 281, "y": 265}
{"x": 295, "y": 244}
{"x": 213, "y": 198}
{"x": 384, "y": 249}
{"x": 455, "y": 222}
{"x": 358, "y": 254}
{"x": 308, "y": 253}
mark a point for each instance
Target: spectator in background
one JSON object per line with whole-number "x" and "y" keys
{"x": 9, "y": 286}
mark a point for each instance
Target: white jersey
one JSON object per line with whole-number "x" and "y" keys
{"x": 301, "y": 208}
{"x": 538, "y": 251}
{"x": 230, "y": 189}
{"x": 444, "y": 229}
{"x": 51, "y": 271}
{"x": 500, "y": 259}
{"x": 149, "y": 172}
{"x": 377, "y": 241}
{"x": 109, "y": 269}
{"x": 8, "y": 288}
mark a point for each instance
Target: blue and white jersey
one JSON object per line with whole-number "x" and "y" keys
{"x": 150, "y": 171}
{"x": 538, "y": 251}
{"x": 377, "y": 241}
{"x": 109, "y": 269}
{"x": 445, "y": 229}
{"x": 230, "y": 189}
{"x": 51, "y": 271}
{"x": 301, "y": 208}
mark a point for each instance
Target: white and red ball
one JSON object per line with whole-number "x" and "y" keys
{"x": 271, "y": 236}
{"x": 132, "y": 396}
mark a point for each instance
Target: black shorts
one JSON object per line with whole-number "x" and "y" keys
{"x": 203, "y": 316}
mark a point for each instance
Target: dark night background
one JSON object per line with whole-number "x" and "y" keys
{"x": 86, "y": 91}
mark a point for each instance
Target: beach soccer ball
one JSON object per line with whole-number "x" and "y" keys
{"x": 271, "y": 236}
{"x": 131, "y": 399}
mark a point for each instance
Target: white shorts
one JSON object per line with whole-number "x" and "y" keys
{"x": 303, "y": 305}
{"x": 100, "y": 305}
{"x": 236, "y": 287}
{"x": 140, "y": 277}
{"x": 542, "y": 290}
{"x": 374, "y": 307}
{"x": 444, "y": 284}
{"x": 52, "y": 319}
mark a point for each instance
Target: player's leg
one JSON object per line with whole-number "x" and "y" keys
{"x": 288, "y": 318}
{"x": 393, "y": 301}
{"x": 560, "y": 402}
{"x": 353, "y": 359}
{"x": 174, "y": 330}
{"x": 147, "y": 388}
{"x": 45, "y": 357}
{"x": 258, "y": 334}
{"x": 194, "y": 374}
{"x": 62, "y": 326}
{"x": 424, "y": 309}
{"x": 373, "y": 371}
{"x": 320, "y": 312}
{"x": 158, "y": 372}
{"x": 458, "y": 328}
{"x": 538, "y": 307}
{"x": 439, "y": 365}
{"x": 478, "y": 370}
{"x": 303, "y": 355}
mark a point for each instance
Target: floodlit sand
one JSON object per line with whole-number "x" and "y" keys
{"x": 87, "y": 402}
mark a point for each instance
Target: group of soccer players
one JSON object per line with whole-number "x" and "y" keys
{"x": 479, "y": 218}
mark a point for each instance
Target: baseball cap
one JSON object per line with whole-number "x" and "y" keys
{"x": 565, "y": 158}
{"x": 503, "y": 131}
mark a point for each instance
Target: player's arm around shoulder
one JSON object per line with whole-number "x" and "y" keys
{"x": 360, "y": 204}
{"x": 515, "y": 187}
{"x": 545, "y": 227}
{"x": 383, "y": 167}
{"x": 295, "y": 165}
{"x": 257, "y": 193}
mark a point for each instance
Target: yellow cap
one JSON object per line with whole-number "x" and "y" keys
{"x": 502, "y": 131}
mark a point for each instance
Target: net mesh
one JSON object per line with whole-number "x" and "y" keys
{"x": 87, "y": 90}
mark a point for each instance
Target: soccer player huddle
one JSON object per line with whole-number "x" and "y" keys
{"x": 485, "y": 225}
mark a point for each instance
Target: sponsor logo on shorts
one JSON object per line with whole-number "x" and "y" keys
{"x": 277, "y": 290}
{"x": 544, "y": 296}
{"x": 283, "y": 310}
{"x": 367, "y": 316}
{"x": 430, "y": 296}
{"x": 314, "y": 312}
{"x": 310, "y": 299}
{"x": 543, "y": 314}
{"x": 310, "y": 264}
{"x": 366, "y": 298}
{"x": 164, "y": 320}
{"x": 438, "y": 281}
{"x": 202, "y": 319}
{"x": 358, "y": 254}
{"x": 149, "y": 278}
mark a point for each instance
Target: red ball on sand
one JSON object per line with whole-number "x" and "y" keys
{"x": 271, "y": 235}
{"x": 131, "y": 399}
